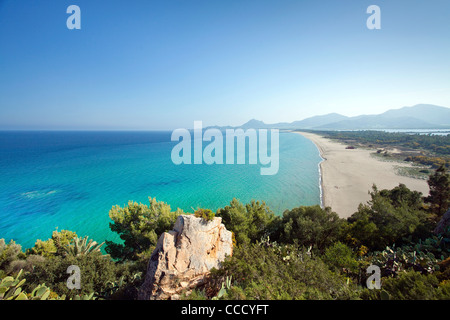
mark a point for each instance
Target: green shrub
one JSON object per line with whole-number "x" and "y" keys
{"x": 205, "y": 214}
{"x": 56, "y": 245}
{"x": 341, "y": 257}
{"x": 9, "y": 254}
{"x": 388, "y": 218}
{"x": 96, "y": 271}
{"x": 139, "y": 226}
{"x": 409, "y": 285}
{"x": 250, "y": 222}
{"x": 280, "y": 272}
{"x": 311, "y": 226}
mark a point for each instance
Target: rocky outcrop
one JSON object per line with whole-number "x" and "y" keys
{"x": 183, "y": 257}
{"x": 443, "y": 224}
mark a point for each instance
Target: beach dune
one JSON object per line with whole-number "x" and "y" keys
{"x": 349, "y": 174}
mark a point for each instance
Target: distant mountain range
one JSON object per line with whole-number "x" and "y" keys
{"x": 421, "y": 116}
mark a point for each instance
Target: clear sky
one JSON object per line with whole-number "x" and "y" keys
{"x": 163, "y": 64}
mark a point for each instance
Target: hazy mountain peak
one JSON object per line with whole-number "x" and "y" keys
{"x": 420, "y": 116}
{"x": 255, "y": 124}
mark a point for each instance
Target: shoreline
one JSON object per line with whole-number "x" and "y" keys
{"x": 321, "y": 184}
{"x": 347, "y": 175}
{"x": 321, "y": 196}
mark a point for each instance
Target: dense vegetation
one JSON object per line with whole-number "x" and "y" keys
{"x": 306, "y": 253}
{"x": 139, "y": 226}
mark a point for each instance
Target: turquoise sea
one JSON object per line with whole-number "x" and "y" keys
{"x": 70, "y": 180}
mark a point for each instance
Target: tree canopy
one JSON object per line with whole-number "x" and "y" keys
{"x": 139, "y": 226}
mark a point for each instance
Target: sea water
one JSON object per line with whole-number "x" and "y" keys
{"x": 70, "y": 180}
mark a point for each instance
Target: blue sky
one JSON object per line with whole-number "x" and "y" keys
{"x": 163, "y": 64}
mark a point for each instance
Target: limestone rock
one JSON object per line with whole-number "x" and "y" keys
{"x": 443, "y": 224}
{"x": 183, "y": 257}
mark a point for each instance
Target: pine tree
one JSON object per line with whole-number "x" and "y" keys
{"x": 439, "y": 197}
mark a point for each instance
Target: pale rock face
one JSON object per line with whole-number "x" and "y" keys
{"x": 183, "y": 257}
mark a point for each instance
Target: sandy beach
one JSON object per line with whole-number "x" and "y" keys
{"x": 348, "y": 175}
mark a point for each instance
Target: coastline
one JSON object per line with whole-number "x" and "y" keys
{"x": 322, "y": 201}
{"x": 347, "y": 175}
